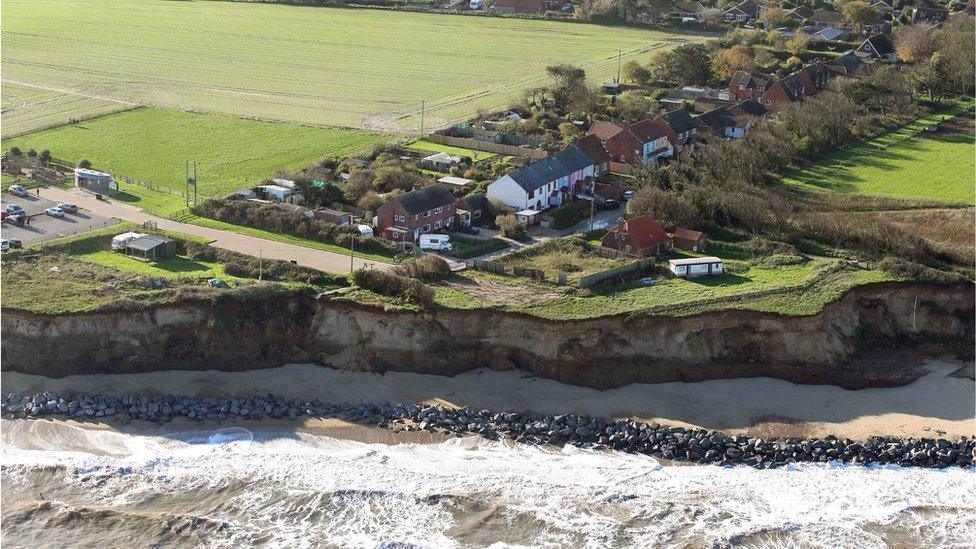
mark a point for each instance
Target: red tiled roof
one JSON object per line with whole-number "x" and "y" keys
{"x": 644, "y": 231}
{"x": 688, "y": 234}
{"x": 647, "y": 131}
{"x": 606, "y": 130}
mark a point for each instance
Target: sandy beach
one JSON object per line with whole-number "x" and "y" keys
{"x": 938, "y": 404}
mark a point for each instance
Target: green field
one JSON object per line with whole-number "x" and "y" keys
{"x": 349, "y": 67}
{"x": 428, "y": 148}
{"x": 27, "y": 108}
{"x": 152, "y": 144}
{"x": 906, "y": 163}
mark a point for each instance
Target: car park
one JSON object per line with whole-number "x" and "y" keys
{"x": 18, "y": 190}
{"x": 54, "y": 211}
{"x": 14, "y": 209}
{"x": 68, "y": 207}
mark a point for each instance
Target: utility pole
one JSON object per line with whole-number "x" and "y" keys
{"x": 423, "y": 105}
{"x": 260, "y": 264}
{"x": 592, "y": 201}
{"x": 619, "y": 53}
{"x": 352, "y": 248}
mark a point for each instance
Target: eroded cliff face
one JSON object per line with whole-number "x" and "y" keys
{"x": 606, "y": 352}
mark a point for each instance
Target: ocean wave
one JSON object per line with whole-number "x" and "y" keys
{"x": 305, "y": 489}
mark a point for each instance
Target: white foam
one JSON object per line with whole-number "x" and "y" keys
{"x": 360, "y": 494}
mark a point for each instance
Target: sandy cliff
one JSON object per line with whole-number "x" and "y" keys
{"x": 606, "y": 352}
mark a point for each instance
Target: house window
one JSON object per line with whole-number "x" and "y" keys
{"x": 427, "y": 213}
{"x": 437, "y": 224}
{"x": 439, "y": 210}
{"x": 476, "y": 214}
{"x": 426, "y": 228}
{"x": 627, "y": 248}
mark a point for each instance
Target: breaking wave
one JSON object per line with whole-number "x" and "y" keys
{"x": 65, "y": 486}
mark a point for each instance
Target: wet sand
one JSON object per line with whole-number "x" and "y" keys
{"x": 937, "y": 404}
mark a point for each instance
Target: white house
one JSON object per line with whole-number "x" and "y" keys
{"x": 545, "y": 183}
{"x": 696, "y": 266}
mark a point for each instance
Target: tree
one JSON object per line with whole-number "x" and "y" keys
{"x": 798, "y": 44}
{"x": 636, "y": 73}
{"x": 370, "y": 201}
{"x": 15, "y": 152}
{"x": 914, "y": 43}
{"x": 858, "y": 13}
{"x": 569, "y": 131}
{"x": 359, "y": 182}
{"x": 45, "y": 156}
{"x": 566, "y": 76}
{"x": 633, "y": 106}
{"x": 84, "y": 164}
{"x": 729, "y": 60}
{"x": 774, "y": 17}
{"x": 32, "y": 154}
{"x": 687, "y": 64}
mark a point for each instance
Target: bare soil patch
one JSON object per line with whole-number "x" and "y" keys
{"x": 499, "y": 293}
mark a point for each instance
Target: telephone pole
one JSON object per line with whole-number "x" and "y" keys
{"x": 423, "y": 104}
{"x": 352, "y": 249}
{"x": 619, "y": 53}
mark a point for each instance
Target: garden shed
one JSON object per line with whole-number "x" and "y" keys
{"x": 152, "y": 247}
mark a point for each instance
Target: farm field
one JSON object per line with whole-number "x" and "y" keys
{"x": 337, "y": 66}
{"x": 906, "y": 163}
{"x": 152, "y": 144}
{"x": 27, "y": 108}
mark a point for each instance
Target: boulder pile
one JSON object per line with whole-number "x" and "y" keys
{"x": 672, "y": 443}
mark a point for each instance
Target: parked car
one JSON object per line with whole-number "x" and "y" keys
{"x": 16, "y": 219}
{"x": 18, "y": 190}
{"x": 628, "y": 195}
{"x": 4, "y": 245}
{"x": 15, "y": 243}
{"x": 68, "y": 207}
{"x": 54, "y": 211}
{"x": 14, "y": 209}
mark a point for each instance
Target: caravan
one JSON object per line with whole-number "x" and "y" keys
{"x": 435, "y": 242}
{"x": 120, "y": 242}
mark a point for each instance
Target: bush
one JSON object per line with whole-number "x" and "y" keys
{"x": 510, "y": 226}
{"x": 277, "y": 219}
{"x": 915, "y": 271}
{"x": 400, "y": 287}
{"x": 780, "y": 260}
{"x": 84, "y": 164}
{"x": 565, "y": 216}
{"x": 427, "y": 267}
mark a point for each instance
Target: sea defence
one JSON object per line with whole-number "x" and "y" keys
{"x": 672, "y": 443}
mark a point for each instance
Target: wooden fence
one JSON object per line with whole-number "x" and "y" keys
{"x": 477, "y": 145}
{"x": 620, "y": 167}
{"x": 596, "y": 278}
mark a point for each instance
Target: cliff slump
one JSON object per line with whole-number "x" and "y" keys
{"x": 601, "y": 353}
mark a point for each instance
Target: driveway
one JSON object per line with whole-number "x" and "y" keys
{"x": 250, "y": 245}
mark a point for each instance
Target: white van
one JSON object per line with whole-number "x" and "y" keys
{"x": 365, "y": 230}
{"x": 435, "y": 242}
{"x": 119, "y": 242}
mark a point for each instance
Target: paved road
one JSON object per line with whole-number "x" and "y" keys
{"x": 250, "y": 245}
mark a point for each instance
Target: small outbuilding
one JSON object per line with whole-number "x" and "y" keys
{"x": 152, "y": 247}
{"x": 91, "y": 180}
{"x": 332, "y": 216}
{"x": 472, "y": 208}
{"x": 276, "y": 192}
{"x": 441, "y": 161}
{"x": 687, "y": 239}
{"x": 528, "y": 216}
{"x": 455, "y": 181}
{"x": 696, "y": 266}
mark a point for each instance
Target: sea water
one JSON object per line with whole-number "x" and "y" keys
{"x": 64, "y": 486}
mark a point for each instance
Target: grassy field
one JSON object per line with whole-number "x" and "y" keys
{"x": 152, "y": 144}
{"x": 173, "y": 267}
{"x": 349, "y": 67}
{"x": 28, "y": 108}
{"x": 906, "y": 163}
{"x": 430, "y": 148}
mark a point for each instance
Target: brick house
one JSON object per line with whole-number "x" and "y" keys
{"x": 404, "y": 218}
{"x": 593, "y": 148}
{"x": 680, "y": 128}
{"x": 749, "y": 85}
{"x": 471, "y": 208}
{"x": 687, "y": 239}
{"x": 639, "y": 236}
{"x": 639, "y": 143}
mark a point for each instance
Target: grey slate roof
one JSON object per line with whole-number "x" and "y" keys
{"x": 679, "y": 120}
{"x": 428, "y": 198}
{"x": 476, "y": 201}
{"x": 148, "y": 242}
{"x": 548, "y": 169}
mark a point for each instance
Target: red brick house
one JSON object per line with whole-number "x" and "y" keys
{"x": 749, "y": 85}
{"x": 639, "y": 236}
{"x": 640, "y": 143}
{"x": 687, "y": 239}
{"x": 429, "y": 210}
{"x": 593, "y": 148}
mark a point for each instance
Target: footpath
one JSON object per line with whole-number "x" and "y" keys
{"x": 258, "y": 247}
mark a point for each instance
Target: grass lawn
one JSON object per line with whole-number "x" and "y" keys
{"x": 173, "y": 267}
{"x": 431, "y": 148}
{"x": 337, "y": 66}
{"x": 286, "y": 238}
{"x": 466, "y": 247}
{"x": 565, "y": 255}
{"x": 905, "y": 163}
{"x": 152, "y": 144}
{"x": 28, "y": 108}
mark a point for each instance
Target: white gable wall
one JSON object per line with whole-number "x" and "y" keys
{"x": 507, "y": 191}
